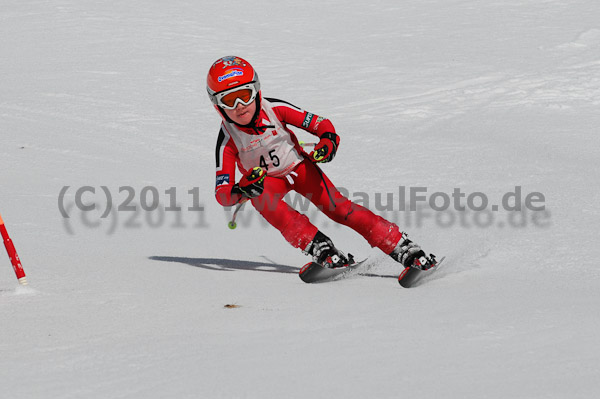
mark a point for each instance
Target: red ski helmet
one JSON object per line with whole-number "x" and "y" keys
{"x": 228, "y": 75}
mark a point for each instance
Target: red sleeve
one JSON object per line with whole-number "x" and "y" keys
{"x": 300, "y": 118}
{"x": 226, "y": 155}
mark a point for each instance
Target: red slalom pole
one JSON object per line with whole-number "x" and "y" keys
{"x": 12, "y": 254}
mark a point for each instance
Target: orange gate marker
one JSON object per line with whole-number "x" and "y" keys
{"x": 12, "y": 254}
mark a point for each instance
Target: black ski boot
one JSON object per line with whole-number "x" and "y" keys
{"x": 410, "y": 254}
{"x": 323, "y": 251}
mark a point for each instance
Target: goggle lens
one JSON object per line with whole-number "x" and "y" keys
{"x": 229, "y": 99}
{"x": 245, "y": 95}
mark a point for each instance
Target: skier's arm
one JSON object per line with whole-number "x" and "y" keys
{"x": 300, "y": 118}
{"x": 226, "y": 154}
{"x": 321, "y": 127}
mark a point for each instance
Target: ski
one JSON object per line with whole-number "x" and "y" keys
{"x": 411, "y": 276}
{"x": 315, "y": 273}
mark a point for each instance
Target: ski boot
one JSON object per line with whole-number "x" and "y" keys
{"x": 323, "y": 252}
{"x": 410, "y": 254}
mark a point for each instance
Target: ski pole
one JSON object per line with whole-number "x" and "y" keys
{"x": 232, "y": 224}
{"x": 303, "y": 144}
{"x": 12, "y": 254}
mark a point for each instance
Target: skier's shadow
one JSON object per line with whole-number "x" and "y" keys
{"x": 228, "y": 265}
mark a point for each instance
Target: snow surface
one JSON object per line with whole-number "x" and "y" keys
{"x": 481, "y": 96}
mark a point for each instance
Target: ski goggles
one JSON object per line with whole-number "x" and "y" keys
{"x": 229, "y": 99}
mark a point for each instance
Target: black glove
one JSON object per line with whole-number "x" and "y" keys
{"x": 252, "y": 183}
{"x": 326, "y": 148}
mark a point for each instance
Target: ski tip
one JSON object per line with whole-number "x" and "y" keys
{"x": 406, "y": 278}
{"x": 411, "y": 276}
{"x": 309, "y": 272}
{"x": 304, "y": 268}
{"x": 401, "y": 276}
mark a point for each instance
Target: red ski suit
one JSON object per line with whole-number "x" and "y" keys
{"x": 273, "y": 146}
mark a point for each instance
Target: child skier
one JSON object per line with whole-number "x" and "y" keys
{"x": 254, "y": 135}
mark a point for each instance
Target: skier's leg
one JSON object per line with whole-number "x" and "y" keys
{"x": 316, "y": 186}
{"x": 294, "y": 226}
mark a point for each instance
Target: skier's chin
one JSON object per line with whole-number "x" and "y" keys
{"x": 244, "y": 117}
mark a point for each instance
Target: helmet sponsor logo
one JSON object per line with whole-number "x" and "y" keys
{"x": 232, "y": 61}
{"x": 231, "y": 74}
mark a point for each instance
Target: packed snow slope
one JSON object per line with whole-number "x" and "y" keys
{"x": 129, "y": 302}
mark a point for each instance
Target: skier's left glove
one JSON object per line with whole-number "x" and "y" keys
{"x": 252, "y": 183}
{"x": 326, "y": 148}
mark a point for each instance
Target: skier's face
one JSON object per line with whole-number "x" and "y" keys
{"x": 242, "y": 114}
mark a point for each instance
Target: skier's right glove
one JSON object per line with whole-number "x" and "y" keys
{"x": 252, "y": 183}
